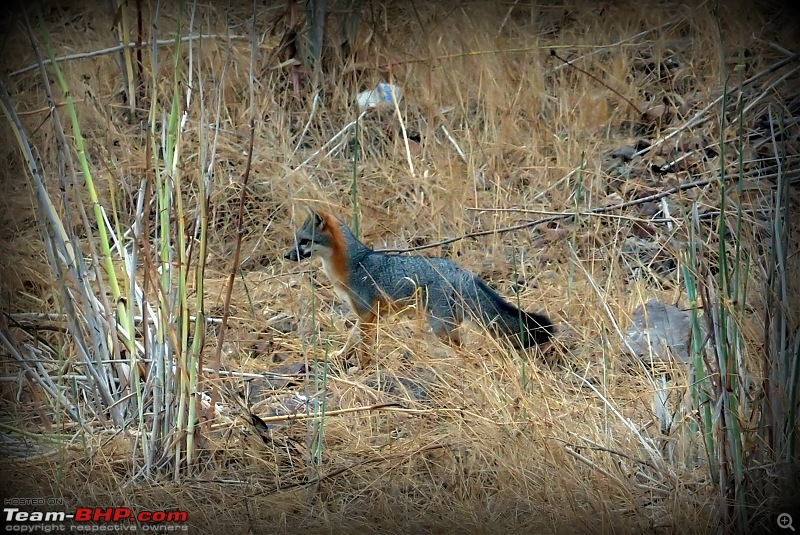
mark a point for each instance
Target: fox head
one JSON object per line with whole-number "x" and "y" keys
{"x": 313, "y": 238}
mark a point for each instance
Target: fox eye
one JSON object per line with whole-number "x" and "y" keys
{"x": 305, "y": 242}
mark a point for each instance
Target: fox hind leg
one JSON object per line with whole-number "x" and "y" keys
{"x": 445, "y": 316}
{"x": 446, "y": 329}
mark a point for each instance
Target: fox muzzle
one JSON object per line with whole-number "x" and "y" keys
{"x": 296, "y": 254}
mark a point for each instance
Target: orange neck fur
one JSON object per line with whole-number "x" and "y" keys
{"x": 337, "y": 264}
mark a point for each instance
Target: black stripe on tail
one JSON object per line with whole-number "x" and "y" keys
{"x": 524, "y": 328}
{"x": 538, "y": 329}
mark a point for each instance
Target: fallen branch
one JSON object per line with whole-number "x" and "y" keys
{"x": 699, "y": 116}
{"x": 350, "y": 467}
{"x": 563, "y": 215}
{"x": 300, "y": 416}
{"x": 598, "y": 80}
{"x": 595, "y": 50}
{"x": 112, "y": 49}
{"x": 36, "y": 319}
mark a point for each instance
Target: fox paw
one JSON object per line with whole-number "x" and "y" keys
{"x": 363, "y": 357}
{"x": 339, "y": 353}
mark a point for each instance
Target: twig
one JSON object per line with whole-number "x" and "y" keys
{"x": 621, "y": 42}
{"x": 217, "y": 363}
{"x": 299, "y": 416}
{"x": 563, "y": 215}
{"x": 33, "y": 318}
{"x": 404, "y": 132}
{"x": 248, "y": 375}
{"x": 774, "y": 45}
{"x": 314, "y": 105}
{"x": 767, "y": 90}
{"x": 598, "y": 447}
{"x": 505, "y": 19}
{"x": 595, "y": 50}
{"x": 699, "y": 115}
{"x": 604, "y": 303}
{"x": 598, "y": 80}
{"x": 711, "y": 214}
{"x": 45, "y": 382}
{"x": 336, "y": 136}
{"x": 112, "y": 49}
{"x": 590, "y": 464}
{"x": 648, "y": 447}
{"x": 455, "y": 144}
{"x": 350, "y": 467}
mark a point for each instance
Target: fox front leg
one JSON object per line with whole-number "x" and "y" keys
{"x": 360, "y": 339}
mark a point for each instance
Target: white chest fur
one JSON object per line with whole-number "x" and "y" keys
{"x": 327, "y": 268}
{"x": 338, "y": 286}
{"x": 344, "y": 295}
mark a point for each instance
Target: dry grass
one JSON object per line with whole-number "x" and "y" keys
{"x": 484, "y": 440}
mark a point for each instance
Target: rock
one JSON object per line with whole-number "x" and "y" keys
{"x": 658, "y": 329}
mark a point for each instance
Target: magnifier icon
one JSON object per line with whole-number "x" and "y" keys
{"x": 785, "y": 521}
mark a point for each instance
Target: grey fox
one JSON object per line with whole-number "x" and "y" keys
{"x": 371, "y": 282}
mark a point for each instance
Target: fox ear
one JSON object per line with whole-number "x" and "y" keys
{"x": 319, "y": 221}
{"x": 314, "y": 216}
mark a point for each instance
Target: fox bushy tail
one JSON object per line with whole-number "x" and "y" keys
{"x": 524, "y": 329}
